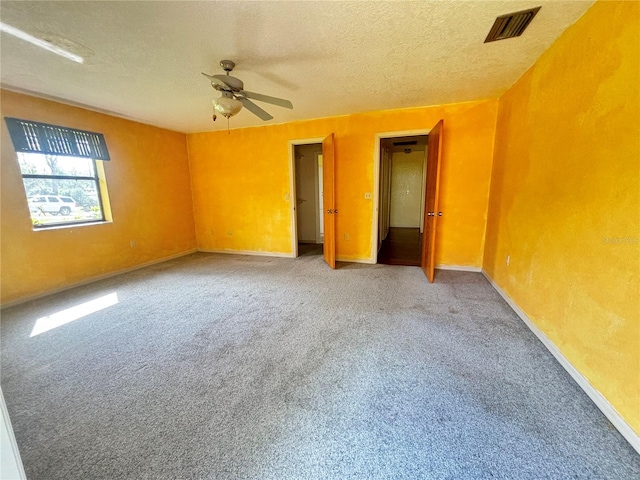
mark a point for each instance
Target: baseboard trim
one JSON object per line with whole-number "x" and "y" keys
{"x": 96, "y": 279}
{"x": 601, "y": 402}
{"x": 353, "y": 260}
{"x": 277, "y": 254}
{"x": 17, "y": 467}
{"x": 459, "y": 268}
{"x": 248, "y": 252}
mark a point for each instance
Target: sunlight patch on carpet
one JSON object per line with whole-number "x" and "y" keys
{"x": 68, "y": 315}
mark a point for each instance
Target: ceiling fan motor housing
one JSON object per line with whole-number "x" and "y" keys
{"x": 230, "y": 83}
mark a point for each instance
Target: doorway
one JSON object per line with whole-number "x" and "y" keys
{"x": 320, "y": 152}
{"x": 309, "y": 198}
{"x": 401, "y": 199}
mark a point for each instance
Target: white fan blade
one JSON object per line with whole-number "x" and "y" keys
{"x": 226, "y": 82}
{"x": 233, "y": 83}
{"x": 255, "y": 109}
{"x": 281, "y": 102}
{"x": 215, "y": 80}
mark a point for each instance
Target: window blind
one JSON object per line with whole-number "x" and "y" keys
{"x": 36, "y": 137}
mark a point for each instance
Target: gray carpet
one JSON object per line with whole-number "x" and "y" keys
{"x": 234, "y": 367}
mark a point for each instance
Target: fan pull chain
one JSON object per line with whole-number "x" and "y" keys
{"x": 228, "y": 130}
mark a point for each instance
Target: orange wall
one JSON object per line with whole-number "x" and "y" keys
{"x": 241, "y": 181}
{"x": 149, "y": 189}
{"x": 565, "y": 199}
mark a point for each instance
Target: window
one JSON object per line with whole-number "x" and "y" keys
{"x": 63, "y": 182}
{"x": 61, "y": 190}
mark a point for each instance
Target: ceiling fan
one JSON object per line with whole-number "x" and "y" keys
{"x": 234, "y": 97}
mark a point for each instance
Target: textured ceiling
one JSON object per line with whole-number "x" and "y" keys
{"x": 143, "y": 59}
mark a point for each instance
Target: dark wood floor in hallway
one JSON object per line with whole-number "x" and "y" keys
{"x": 309, "y": 249}
{"x": 401, "y": 247}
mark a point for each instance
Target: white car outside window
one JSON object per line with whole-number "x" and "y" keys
{"x": 52, "y": 204}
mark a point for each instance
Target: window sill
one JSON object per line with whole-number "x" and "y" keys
{"x": 71, "y": 225}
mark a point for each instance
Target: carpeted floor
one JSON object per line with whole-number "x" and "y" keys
{"x": 235, "y": 367}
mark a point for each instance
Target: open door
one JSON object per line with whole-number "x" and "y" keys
{"x": 329, "y": 201}
{"x": 431, "y": 213}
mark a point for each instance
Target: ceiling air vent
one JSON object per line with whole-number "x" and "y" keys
{"x": 511, "y": 25}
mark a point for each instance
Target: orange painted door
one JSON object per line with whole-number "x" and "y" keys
{"x": 431, "y": 213}
{"x": 329, "y": 200}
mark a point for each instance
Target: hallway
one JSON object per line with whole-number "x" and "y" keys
{"x": 401, "y": 247}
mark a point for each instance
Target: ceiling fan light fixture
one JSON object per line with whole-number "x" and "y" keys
{"x": 227, "y": 106}
{"x": 234, "y": 96}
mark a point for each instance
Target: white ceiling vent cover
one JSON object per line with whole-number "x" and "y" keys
{"x": 511, "y": 25}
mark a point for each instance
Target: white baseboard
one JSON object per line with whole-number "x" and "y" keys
{"x": 277, "y": 254}
{"x": 340, "y": 258}
{"x": 97, "y": 278}
{"x": 248, "y": 252}
{"x": 601, "y": 402}
{"x": 10, "y": 462}
{"x": 459, "y": 268}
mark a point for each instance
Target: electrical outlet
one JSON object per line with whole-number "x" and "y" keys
{"x": 132, "y": 243}
{"x": 367, "y": 195}
{"x": 346, "y": 236}
{"x": 507, "y": 260}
